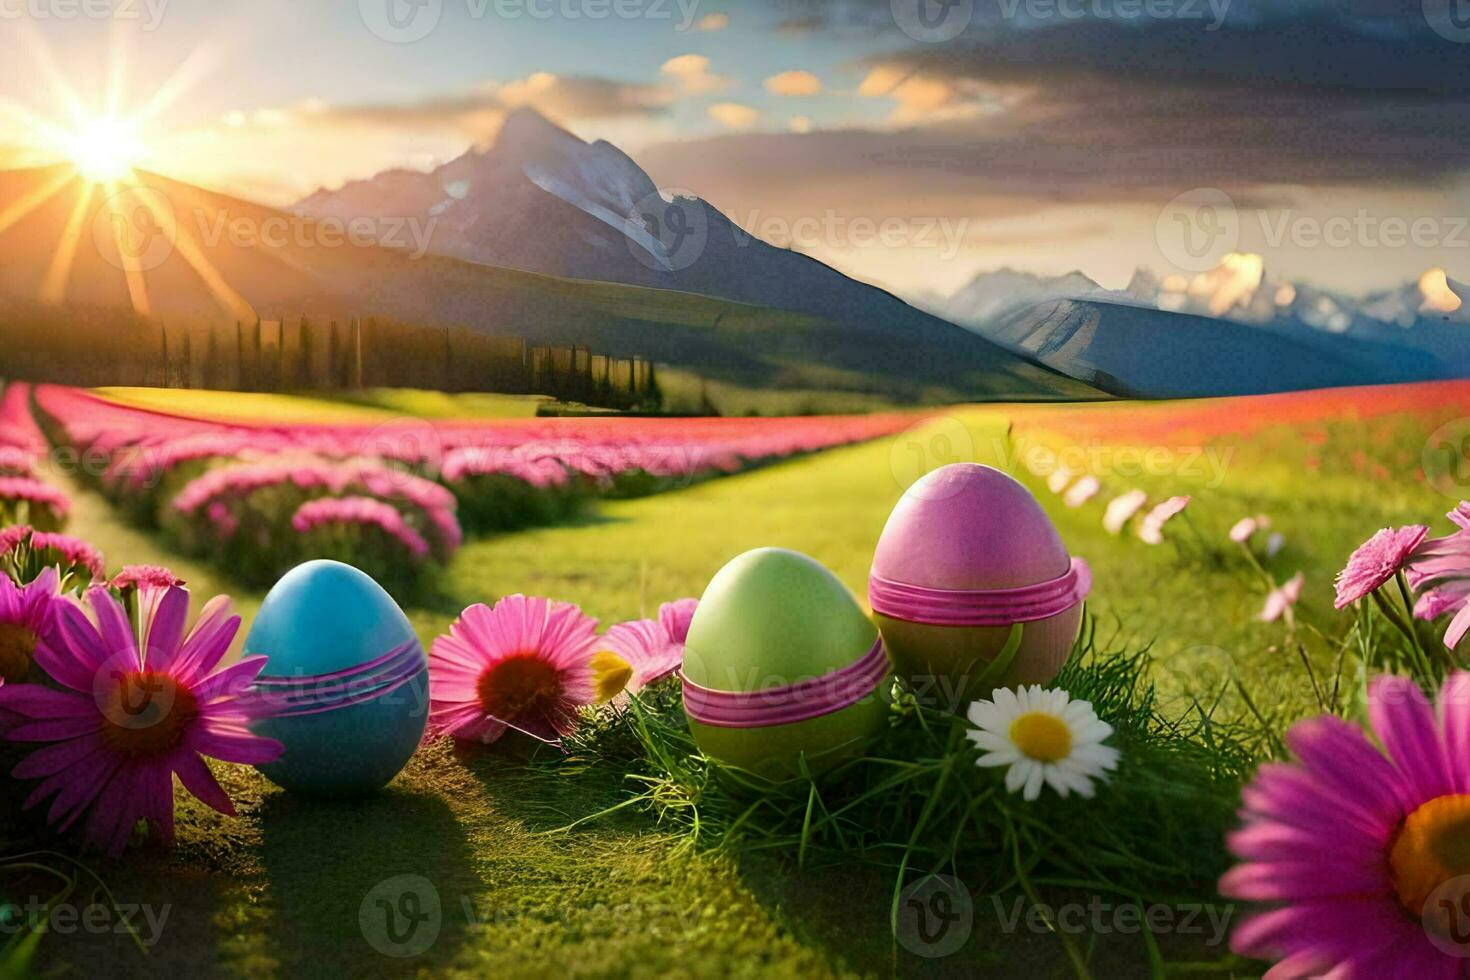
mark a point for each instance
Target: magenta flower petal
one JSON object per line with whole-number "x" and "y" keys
{"x": 648, "y": 649}
{"x": 163, "y": 628}
{"x": 675, "y": 618}
{"x": 1454, "y": 719}
{"x": 1404, "y": 720}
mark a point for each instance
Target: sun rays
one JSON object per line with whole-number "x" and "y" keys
{"x": 98, "y": 153}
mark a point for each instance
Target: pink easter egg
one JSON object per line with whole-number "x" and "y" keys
{"x": 966, "y": 544}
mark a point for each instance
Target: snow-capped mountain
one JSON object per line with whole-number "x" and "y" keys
{"x": 1240, "y": 288}
{"x": 542, "y": 200}
{"x": 993, "y": 295}
{"x": 1232, "y": 328}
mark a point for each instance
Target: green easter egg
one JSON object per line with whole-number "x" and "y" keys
{"x": 768, "y": 619}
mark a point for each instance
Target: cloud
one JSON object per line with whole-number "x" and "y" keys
{"x": 1272, "y": 95}
{"x": 691, "y": 73}
{"x": 794, "y": 83}
{"x": 475, "y": 114}
{"x": 734, "y": 115}
{"x": 801, "y": 124}
{"x": 713, "y": 22}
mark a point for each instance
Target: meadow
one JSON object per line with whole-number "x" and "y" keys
{"x": 281, "y": 888}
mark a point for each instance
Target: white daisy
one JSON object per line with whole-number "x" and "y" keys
{"x": 1044, "y": 737}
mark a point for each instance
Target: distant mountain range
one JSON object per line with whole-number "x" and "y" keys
{"x": 543, "y": 236}
{"x": 498, "y": 223}
{"x": 1231, "y": 330}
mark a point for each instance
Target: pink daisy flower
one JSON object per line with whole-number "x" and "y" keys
{"x": 13, "y": 536}
{"x": 1376, "y": 561}
{"x": 145, "y": 577}
{"x": 74, "y": 555}
{"x": 1441, "y": 567}
{"x": 1151, "y": 531}
{"x": 1121, "y": 510}
{"x": 1082, "y": 491}
{"x": 126, "y": 720}
{"x": 1362, "y": 853}
{"x": 1244, "y": 529}
{"x": 1281, "y": 599}
{"x": 26, "y": 614}
{"x": 529, "y": 664}
{"x": 654, "y": 648}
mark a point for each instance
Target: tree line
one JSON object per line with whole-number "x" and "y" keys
{"x": 94, "y": 347}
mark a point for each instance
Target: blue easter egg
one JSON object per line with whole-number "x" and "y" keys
{"x": 327, "y": 619}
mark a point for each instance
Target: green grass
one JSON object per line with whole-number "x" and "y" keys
{"x": 279, "y": 890}
{"x": 372, "y": 405}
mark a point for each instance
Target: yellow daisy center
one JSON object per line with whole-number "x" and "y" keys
{"x": 1432, "y": 848}
{"x": 1043, "y": 737}
{"x": 17, "y": 646}
{"x": 610, "y": 673}
{"x": 146, "y": 714}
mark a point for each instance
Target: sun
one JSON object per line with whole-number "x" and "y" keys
{"x": 104, "y": 149}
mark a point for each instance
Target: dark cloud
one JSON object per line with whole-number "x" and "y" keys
{"x": 1100, "y": 100}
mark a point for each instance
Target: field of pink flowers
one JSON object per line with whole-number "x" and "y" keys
{"x": 395, "y": 498}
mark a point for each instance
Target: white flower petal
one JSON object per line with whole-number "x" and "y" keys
{"x": 1034, "y": 781}
{"x": 1018, "y": 774}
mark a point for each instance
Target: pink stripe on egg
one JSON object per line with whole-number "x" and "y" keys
{"x": 986, "y": 607}
{"x": 802, "y": 701}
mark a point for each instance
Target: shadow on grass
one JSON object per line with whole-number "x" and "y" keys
{"x": 545, "y": 790}
{"x": 361, "y": 885}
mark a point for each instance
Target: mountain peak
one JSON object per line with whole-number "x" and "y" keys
{"x": 525, "y": 128}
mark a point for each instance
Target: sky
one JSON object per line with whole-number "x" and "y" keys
{"x": 912, "y": 143}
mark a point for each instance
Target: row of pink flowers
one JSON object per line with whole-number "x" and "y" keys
{"x": 349, "y": 513}
{"x": 216, "y": 492}
{"x": 24, "y": 497}
{"x": 142, "y": 443}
